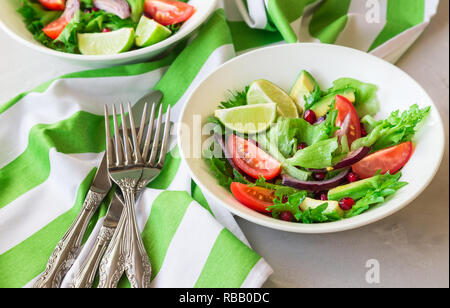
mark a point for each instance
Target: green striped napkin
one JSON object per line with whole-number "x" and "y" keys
{"x": 53, "y": 138}
{"x": 385, "y": 28}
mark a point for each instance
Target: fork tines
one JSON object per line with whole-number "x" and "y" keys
{"x": 151, "y": 152}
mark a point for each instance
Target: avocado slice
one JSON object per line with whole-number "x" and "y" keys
{"x": 355, "y": 190}
{"x": 304, "y": 86}
{"x": 333, "y": 207}
{"x": 322, "y": 107}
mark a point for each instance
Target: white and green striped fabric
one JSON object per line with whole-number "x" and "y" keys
{"x": 385, "y": 28}
{"x": 53, "y": 138}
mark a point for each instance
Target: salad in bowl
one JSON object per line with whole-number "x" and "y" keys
{"x": 103, "y": 27}
{"x": 311, "y": 155}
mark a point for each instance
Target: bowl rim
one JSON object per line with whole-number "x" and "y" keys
{"x": 320, "y": 228}
{"x": 121, "y": 56}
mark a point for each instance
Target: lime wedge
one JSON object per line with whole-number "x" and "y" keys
{"x": 106, "y": 43}
{"x": 248, "y": 119}
{"x": 149, "y": 32}
{"x": 263, "y": 91}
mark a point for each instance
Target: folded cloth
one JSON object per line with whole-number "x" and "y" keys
{"x": 53, "y": 138}
{"x": 385, "y": 28}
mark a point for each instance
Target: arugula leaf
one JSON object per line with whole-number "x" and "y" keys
{"x": 35, "y": 14}
{"x": 317, "y": 156}
{"x": 280, "y": 190}
{"x": 388, "y": 185}
{"x": 86, "y": 4}
{"x": 221, "y": 170}
{"x": 175, "y": 27}
{"x": 394, "y": 130}
{"x": 315, "y": 215}
{"x": 96, "y": 21}
{"x": 366, "y": 95}
{"x": 237, "y": 99}
{"x": 291, "y": 205}
{"x": 313, "y": 98}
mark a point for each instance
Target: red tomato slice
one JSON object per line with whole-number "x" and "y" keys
{"x": 55, "y": 5}
{"x": 54, "y": 29}
{"x": 168, "y": 12}
{"x": 391, "y": 159}
{"x": 252, "y": 160}
{"x": 352, "y": 126}
{"x": 256, "y": 198}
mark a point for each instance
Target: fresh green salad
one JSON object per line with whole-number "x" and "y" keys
{"x": 103, "y": 27}
{"x": 313, "y": 155}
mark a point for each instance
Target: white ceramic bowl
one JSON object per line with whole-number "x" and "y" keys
{"x": 281, "y": 65}
{"x": 11, "y": 22}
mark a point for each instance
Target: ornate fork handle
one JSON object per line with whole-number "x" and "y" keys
{"x": 68, "y": 248}
{"x": 85, "y": 277}
{"x": 126, "y": 251}
{"x": 137, "y": 263}
{"x": 112, "y": 264}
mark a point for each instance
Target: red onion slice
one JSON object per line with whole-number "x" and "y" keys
{"x": 116, "y": 7}
{"x": 352, "y": 158}
{"x": 315, "y": 185}
{"x": 344, "y": 127}
{"x": 72, "y": 6}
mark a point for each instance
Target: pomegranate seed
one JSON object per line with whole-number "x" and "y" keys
{"x": 95, "y": 9}
{"x": 287, "y": 216}
{"x": 352, "y": 177}
{"x": 320, "y": 120}
{"x": 285, "y": 199}
{"x": 301, "y": 146}
{"x": 310, "y": 116}
{"x": 324, "y": 196}
{"x": 346, "y": 203}
{"x": 363, "y": 130}
{"x": 106, "y": 30}
{"x": 319, "y": 176}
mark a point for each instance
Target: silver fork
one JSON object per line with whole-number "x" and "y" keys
{"x": 132, "y": 171}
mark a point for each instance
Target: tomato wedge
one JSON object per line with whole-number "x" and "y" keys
{"x": 390, "y": 159}
{"x": 256, "y": 198}
{"x": 54, "y": 29}
{"x": 168, "y": 12}
{"x": 54, "y": 5}
{"x": 252, "y": 160}
{"x": 351, "y": 125}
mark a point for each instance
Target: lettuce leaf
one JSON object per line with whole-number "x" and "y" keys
{"x": 290, "y": 132}
{"x": 272, "y": 149}
{"x": 396, "y": 129}
{"x": 366, "y": 95}
{"x": 317, "y": 156}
